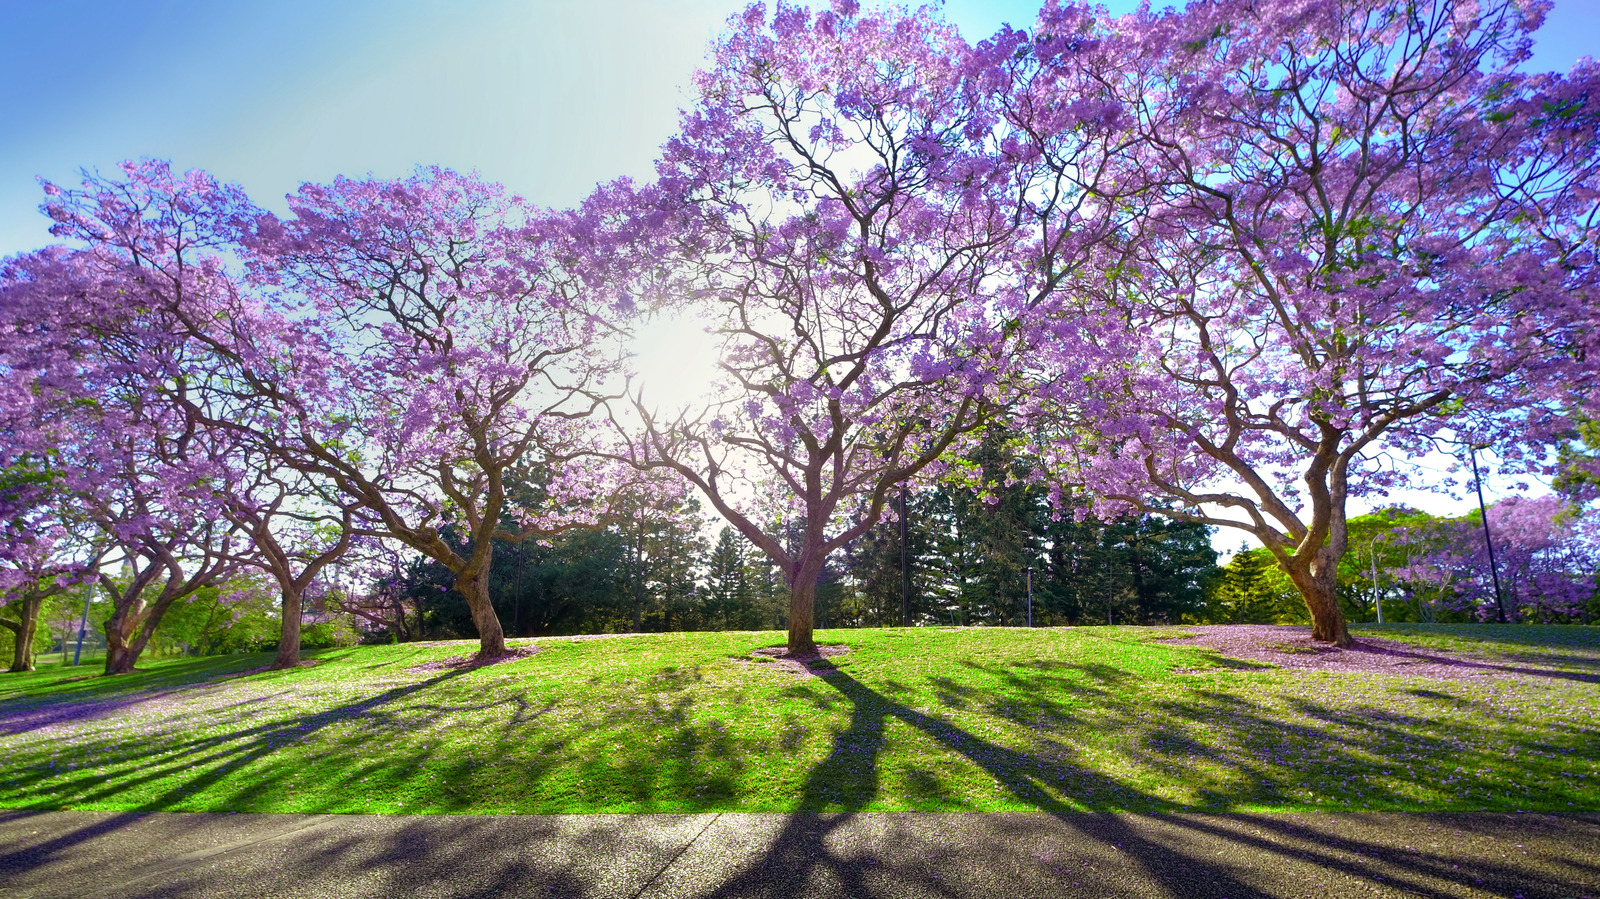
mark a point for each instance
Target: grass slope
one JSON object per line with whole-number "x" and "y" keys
{"x": 924, "y": 719}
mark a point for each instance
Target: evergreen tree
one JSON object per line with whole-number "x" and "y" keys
{"x": 769, "y": 595}
{"x": 1252, "y": 590}
{"x": 728, "y": 592}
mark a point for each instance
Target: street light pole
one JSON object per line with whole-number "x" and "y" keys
{"x": 905, "y": 564}
{"x": 1030, "y": 596}
{"x": 522, "y": 566}
{"x": 1377, "y": 597}
{"x": 1494, "y": 570}
{"x": 83, "y": 624}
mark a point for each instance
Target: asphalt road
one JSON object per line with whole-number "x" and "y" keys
{"x": 1008, "y": 856}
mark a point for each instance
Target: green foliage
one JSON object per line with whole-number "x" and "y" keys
{"x": 1253, "y": 590}
{"x": 1579, "y": 460}
{"x": 769, "y": 595}
{"x": 974, "y": 536}
{"x": 970, "y": 542}
{"x": 1386, "y": 544}
{"x": 338, "y": 631}
{"x": 239, "y": 616}
{"x": 726, "y": 590}
{"x": 939, "y": 550}
{"x": 641, "y": 573}
{"x": 26, "y": 475}
{"x": 43, "y": 640}
{"x": 1144, "y": 569}
{"x": 8, "y": 639}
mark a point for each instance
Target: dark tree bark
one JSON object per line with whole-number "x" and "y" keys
{"x": 25, "y": 628}
{"x": 130, "y": 628}
{"x": 803, "y": 604}
{"x": 134, "y": 621}
{"x": 473, "y": 584}
{"x": 289, "y": 631}
{"x": 1318, "y": 586}
{"x": 280, "y": 562}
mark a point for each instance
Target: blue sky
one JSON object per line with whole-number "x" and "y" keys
{"x": 547, "y": 96}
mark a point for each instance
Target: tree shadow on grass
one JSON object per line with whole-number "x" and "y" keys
{"x": 1492, "y": 667}
{"x": 1182, "y": 852}
{"x": 1253, "y": 740}
{"x": 1550, "y": 646}
{"x": 847, "y": 781}
{"x": 1537, "y": 636}
{"x": 216, "y": 757}
{"x": 657, "y": 750}
{"x": 95, "y": 696}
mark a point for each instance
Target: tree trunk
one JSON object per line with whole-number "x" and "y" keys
{"x": 15, "y": 627}
{"x": 120, "y": 657}
{"x": 1318, "y": 587}
{"x": 803, "y": 606}
{"x": 491, "y": 638}
{"x": 289, "y": 632}
{"x": 122, "y": 648}
{"x": 24, "y": 630}
{"x": 126, "y": 638}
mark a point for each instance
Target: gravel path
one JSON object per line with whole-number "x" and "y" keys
{"x": 83, "y": 855}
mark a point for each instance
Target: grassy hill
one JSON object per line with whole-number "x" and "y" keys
{"x": 918, "y": 719}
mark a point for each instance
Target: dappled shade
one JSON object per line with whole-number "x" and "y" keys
{"x": 983, "y": 720}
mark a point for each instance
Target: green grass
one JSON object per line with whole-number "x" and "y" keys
{"x": 924, "y": 719}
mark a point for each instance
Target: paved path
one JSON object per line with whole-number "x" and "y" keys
{"x": 82, "y": 855}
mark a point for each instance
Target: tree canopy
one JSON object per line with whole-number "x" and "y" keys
{"x": 1037, "y": 310}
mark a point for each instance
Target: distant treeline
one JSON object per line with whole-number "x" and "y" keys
{"x": 969, "y": 543}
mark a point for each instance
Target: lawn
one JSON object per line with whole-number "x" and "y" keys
{"x": 921, "y": 719}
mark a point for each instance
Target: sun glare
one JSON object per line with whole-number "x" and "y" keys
{"x": 675, "y": 361}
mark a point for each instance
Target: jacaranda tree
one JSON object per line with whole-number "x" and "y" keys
{"x": 1233, "y": 264}
{"x": 393, "y": 347}
{"x": 1351, "y": 230}
{"x": 86, "y": 338}
{"x": 456, "y": 348}
{"x": 829, "y": 208}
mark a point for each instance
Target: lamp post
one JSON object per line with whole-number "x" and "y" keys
{"x": 83, "y": 624}
{"x": 905, "y": 564}
{"x": 1030, "y": 595}
{"x": 1377, "y": 597}
{"x": 522, "y": 566}
{"x": 1494, "y": 570}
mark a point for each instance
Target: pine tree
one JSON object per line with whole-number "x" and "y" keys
{"x": 1248, "y": 593}
{"x": 727, "y": 590}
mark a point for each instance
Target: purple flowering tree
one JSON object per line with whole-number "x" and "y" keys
{"x": 454, "y": 349}
{"x": 42, "y": 558}
{"x": 394, "y": 349}
{"x": 170, "y": 549}
{"x": 41, "y": 554}
{"x": 82, "y": 343}
{"x": 835, "y": 209}
{"x": 1546, "y": 553}
{"x": 1352, "y": 230}
{"x": 164, "y": 236}
{"x": 296, "y": 527}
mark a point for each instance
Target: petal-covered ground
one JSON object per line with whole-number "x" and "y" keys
{"x": 1139, "y": 719}
{"x": 1440, "y": 655}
